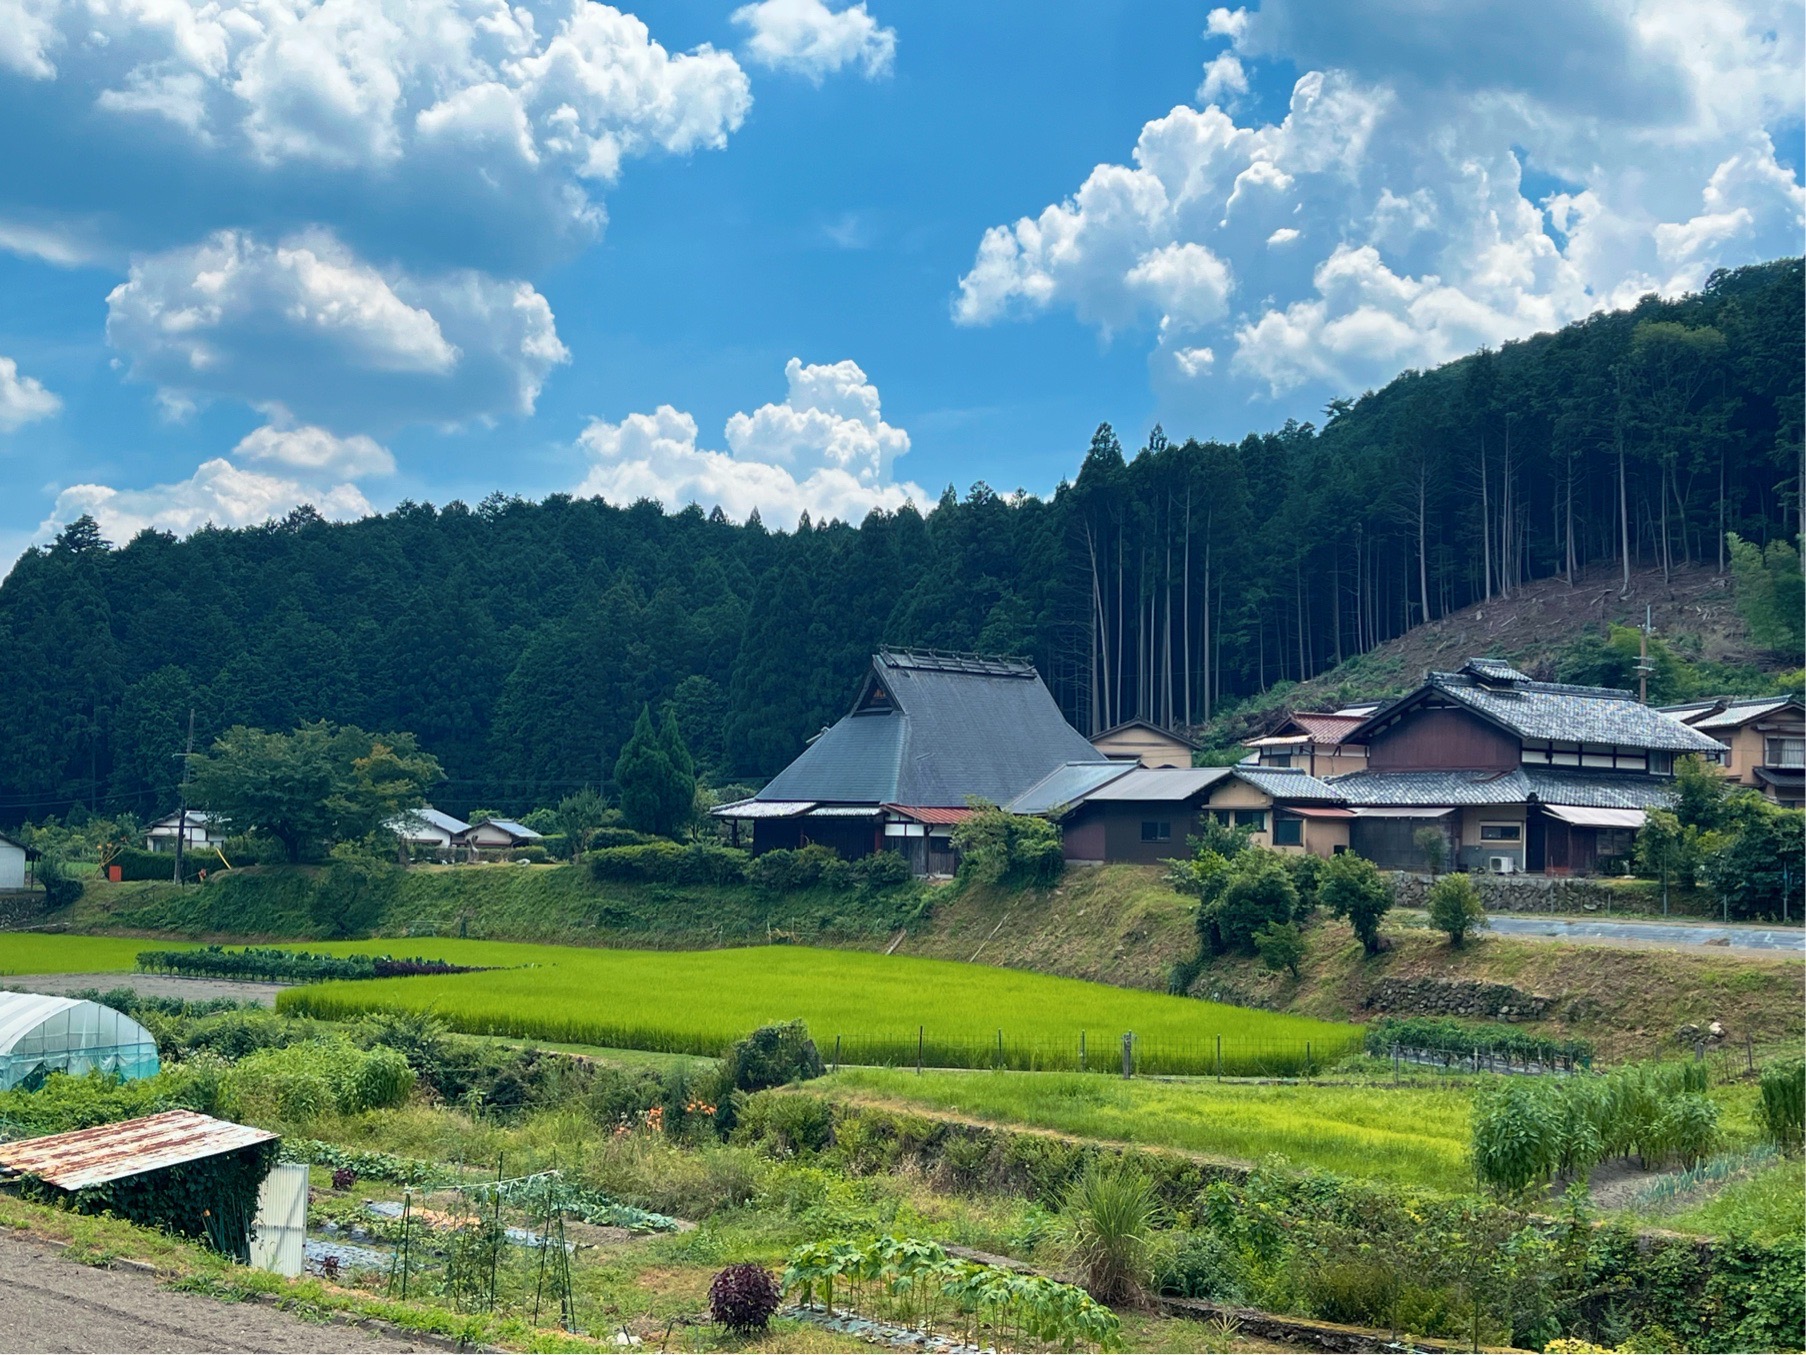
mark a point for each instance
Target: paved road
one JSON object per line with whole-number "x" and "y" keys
{"x": 49, "y": 1303}
{"x": 146, "y": 985}
{"x": 1739, "y": 937}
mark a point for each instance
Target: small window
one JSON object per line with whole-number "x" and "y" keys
{"x": 1222, "y": 816}
{"x": 1501, "y": 832}
{"x": 1287, "y": 831}
{"x": 1787, "y": 752}
{"x": 1662, "y": 764}
{"x": 1251, "y": 818}
{"x": 1277, "y": 760}
{"x": 1156, "y": 831}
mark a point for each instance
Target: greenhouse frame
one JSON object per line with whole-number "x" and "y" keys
{"x": 44, "y": 1033}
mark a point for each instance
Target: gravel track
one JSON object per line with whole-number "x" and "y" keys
{"x": 50, "y": 1303}
{"x": 147, "y": 985}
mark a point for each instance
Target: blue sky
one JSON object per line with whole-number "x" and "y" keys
{"x": 800, "y": 255}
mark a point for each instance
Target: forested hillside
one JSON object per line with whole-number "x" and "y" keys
{"x": 519, "y": 640}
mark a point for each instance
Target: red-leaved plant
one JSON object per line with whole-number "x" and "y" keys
{"x": 742, "y": 1298}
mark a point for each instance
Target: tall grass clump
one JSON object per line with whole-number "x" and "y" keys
{"x": 1781, "y": 1111}
{"x": 1110, "y": 1214}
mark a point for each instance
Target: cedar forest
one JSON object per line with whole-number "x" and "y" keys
{"x": 519, "y": 641}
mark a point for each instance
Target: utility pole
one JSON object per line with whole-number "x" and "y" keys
{"x": 182, "y": 813}
{"x": 1644, "y": 667}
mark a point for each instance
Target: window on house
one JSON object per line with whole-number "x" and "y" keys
{"x": 1251, "y": 818}
{"x": 1501, "y": 832}
{"x": 1222, "y": 816}
{"x": 1787, "y": 752}
{"x": 1277, "y": 760}
{"x": 1287, "y": 831}
{"x": 1156, "y": 831}
{"x": 1662, "y": 764}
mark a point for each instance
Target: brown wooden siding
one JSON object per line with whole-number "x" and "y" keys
{"x": 1110, "y": 831}
{"x": 1452, "y": 740}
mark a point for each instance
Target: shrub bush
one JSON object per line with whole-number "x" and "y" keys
{"x": 1110, "y": 1214}
{"x": 533, "y": 855}
{"x": 670, "y": 863}
{"x": 135, "y": 863}
{"x": 1455, "y": 908}
{"x": 770, "y": 1057}
{"x": 785, "y": 1126}
{"x": 300, "y": 1082}
{"x": 743, "y": 1297}
{"x": 997, "y": 847}
{"x": 784, "y": 869}
{"x": 612, "y": 835}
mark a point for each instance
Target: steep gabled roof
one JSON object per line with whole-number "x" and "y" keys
{"x": 1324, "y": 727}
{"x": 1151, "y": 727}
{"x": 1503, "y": 697}
{"x": 932, "y": 729}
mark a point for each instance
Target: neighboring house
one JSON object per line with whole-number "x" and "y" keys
{"x": 491, "y": 835}
{"x": 927, "y": 733}
{"x": 428, "y": 827}
{"x": 15, "y": 863}
{"x": 1144, "y": 742}
{"x": 1764, "y": 739}
{"x": 1518, "y": 774}
{"x": 1315, "y": 742}
{"x": 201, "y": 832}
{"x": 1146, "y": 814}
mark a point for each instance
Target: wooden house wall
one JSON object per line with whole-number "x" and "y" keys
{"x": 1442, "y": 740}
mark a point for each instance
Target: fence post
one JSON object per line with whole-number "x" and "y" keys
{"x": 837, "y": 1053}
{"x": 1081, "y": 1051}
{"x": 918, "y": 1051}
{"x": 1128, "y": 1054}
{"x": 1307, "y": 1060}
{"x": 1219, "y": 1058}
{"x": 1749, "y": 1050}
{"x": 1000, "y": 1049}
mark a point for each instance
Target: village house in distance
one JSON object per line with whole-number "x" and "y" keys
{"x": 1516, "y": 774}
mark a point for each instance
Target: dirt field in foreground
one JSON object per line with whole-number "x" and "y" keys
{"x": 53, "y": 1304}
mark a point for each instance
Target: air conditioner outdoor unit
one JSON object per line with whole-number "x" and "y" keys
{"x": 1501, "y": 865}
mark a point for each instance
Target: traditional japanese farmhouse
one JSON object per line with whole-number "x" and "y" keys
{"x": 1517, "y": 774}
{"x": 1764, "y": 738}
{"x": 1315, "y": 741}
{"x": 198, "y": 830}
{"x": 927, "y": 733}
{"x": 493, "y": 835}
{"x": 429, "y": 828}
{"x": 1144, "y": 742}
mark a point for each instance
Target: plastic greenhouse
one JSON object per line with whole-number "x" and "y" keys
{"x": 42, "y": 1033}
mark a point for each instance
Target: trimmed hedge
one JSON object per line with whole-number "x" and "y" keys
{"x": 270, "y": 965}
{"x": 674, "y": 863}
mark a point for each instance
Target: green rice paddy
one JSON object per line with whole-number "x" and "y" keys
{"x": 1411, "y": 1135}
{"x": 42, "y": 953}
{"x": 878, "y": 1007}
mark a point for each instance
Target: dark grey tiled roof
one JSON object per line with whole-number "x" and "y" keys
{"x": 1551, "y": 710}
{"x": 1550, "y": 785}
{"x": 959, "y": 728}
{"x": 1496, "y": 669}
{"x": 1729, "y": 714}
{"x": 1285, "y": 783}
{"x": 1432, "y": 788}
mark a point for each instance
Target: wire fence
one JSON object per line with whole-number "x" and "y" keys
{"x": 1122, "y": 1053}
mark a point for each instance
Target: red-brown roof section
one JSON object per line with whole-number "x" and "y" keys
{"x": 1324, "y": 727}
{"x": 931, "y": 813}
{"x": 109, "y": 1152}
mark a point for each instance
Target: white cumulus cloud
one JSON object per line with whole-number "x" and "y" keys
{"x": 1404, "y": 154}
{"x": 218, "y": 493}
{"x": 23, "y": 399}
{"x": 826, "y": 450}
{"x": 313, "y": 450}
{"x": 808, "y": 38}
{"x": 306, "y": 325}
{"x": 459, "y": 132}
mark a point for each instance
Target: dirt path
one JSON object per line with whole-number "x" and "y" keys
{"x": 148, "y": 985}
{"x": 49, "y": 1303}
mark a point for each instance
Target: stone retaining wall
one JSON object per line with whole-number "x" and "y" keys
{"x": 1457, "y": 997}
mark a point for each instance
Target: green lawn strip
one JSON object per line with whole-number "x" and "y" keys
{"x": 1415, "y": 1136}
{"x": 699, "y": 1001}
{"x": 97, "y": 1240}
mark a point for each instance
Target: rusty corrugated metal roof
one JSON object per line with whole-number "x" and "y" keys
{"x": 931, "y": 813}
{"x": 108, "y": 1152}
